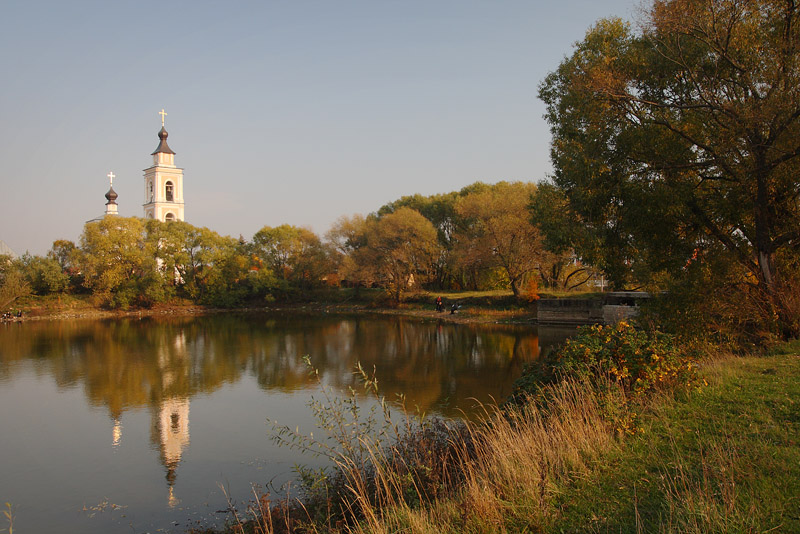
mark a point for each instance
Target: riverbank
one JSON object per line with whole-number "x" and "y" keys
{"x": 485, "y": 307}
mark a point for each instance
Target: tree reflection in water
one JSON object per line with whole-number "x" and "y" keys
{"x": 162, "y": 363}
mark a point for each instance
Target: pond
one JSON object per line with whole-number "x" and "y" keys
{"x": 137, "y": 425}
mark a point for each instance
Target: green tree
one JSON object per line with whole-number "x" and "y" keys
{"x": 63, "y": 251}
{"x": 401, "y": 250}
{"x": 440, "y": 210}
{"x": 43, "y": 274}
{"x": 184, "y": 254}
{"x": 347, "y": 239}
{"x": 684, "y": 137}
{"x": 118, "y": 263}
{"x": 296, "y": 255}
{"x": 561, "y": 232}
{"x": 234, "y": 276}
{"x": 12, "y": 282}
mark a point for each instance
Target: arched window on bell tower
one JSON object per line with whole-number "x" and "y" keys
{"x": 169, "y": 217}
{"x": 169, "y": 192}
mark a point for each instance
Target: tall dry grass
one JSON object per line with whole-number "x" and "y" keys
{"x": 497, "y": 475}
{"x": 512, "y": 469}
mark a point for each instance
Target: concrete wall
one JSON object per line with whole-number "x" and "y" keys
{"x": 606, "y": 309}
{"x": 569, "y": 311}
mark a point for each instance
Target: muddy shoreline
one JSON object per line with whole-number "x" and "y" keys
{"x": 465, "y": 315}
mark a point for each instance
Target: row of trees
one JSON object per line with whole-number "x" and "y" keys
{"x": 481, "y": 237}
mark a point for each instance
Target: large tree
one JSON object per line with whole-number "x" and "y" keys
{"x": 496, "y": 232}
{"x": 347, "y": 239}
{"x": 401, "y": 250}
{"x": 12, "y": 281}
{"x": 118, "y": 263}
{"x": 294, "y": 254}
{"x": 684, "y": 137}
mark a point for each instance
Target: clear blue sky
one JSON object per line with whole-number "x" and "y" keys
{"x": 280, "y": 112}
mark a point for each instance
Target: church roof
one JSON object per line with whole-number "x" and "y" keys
{"x": 163, "y": 147}
{"x": 5, "y": 250}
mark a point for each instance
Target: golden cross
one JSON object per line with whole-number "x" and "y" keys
{"x": 163, "y": 114}
{"x": 111, "y": 177}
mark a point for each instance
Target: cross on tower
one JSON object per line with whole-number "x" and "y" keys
{"x": 111, "y": 177}
{"x": 163, "y": 114}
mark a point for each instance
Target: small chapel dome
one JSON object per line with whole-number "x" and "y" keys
{"x": 111, "y": 196}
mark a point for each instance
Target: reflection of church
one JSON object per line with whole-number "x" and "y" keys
{"x": 169, "y": 412}
{"x": 170, "y": 430}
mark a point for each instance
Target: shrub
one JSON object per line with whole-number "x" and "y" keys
{"x": 636, "y": 361}
{"x": 639, "y": 361}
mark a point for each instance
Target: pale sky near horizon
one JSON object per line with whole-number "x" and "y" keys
{"x": 293, "y": 112}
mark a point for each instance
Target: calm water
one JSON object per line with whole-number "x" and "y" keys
{"x": 132, "y": 425}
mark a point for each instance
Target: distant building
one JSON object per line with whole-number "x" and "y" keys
{"x": 163, "y": 182}
{"x": 5, "y": 250}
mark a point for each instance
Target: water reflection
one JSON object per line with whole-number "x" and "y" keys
{"x": 162, "y": 364}
{"x": 170, "y": 431}
{"x": 147, "y": 362}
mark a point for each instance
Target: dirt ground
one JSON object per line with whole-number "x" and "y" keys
{"x": 465, "y": 315}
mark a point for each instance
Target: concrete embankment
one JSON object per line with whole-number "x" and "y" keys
{"x": 607, "y": 308}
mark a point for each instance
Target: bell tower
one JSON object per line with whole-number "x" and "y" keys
{"x": 163, "y": 182}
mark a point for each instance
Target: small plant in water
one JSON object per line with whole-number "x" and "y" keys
{"x": 377, "y": 459}
{"x": 9, "y": 514}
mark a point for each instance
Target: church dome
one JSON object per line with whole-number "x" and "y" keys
{"x": 111, "y": 196}
{"x": 163, "y": 147}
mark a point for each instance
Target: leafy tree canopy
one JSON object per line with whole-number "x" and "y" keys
{"x": 682, "y": 137}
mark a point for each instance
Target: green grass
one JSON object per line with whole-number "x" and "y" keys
{"x": 725, "y": 458}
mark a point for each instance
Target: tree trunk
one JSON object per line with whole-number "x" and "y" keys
{"x": 764, "y": 246}
{"x": 515, "y": 287}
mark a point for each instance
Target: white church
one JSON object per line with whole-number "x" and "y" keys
{"x": 163, "y": 184}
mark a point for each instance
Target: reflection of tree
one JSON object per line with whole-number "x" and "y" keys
{"x": 132, "y": 363}
{"x": 162, "y": 363}
{"x": 442, "y": 366}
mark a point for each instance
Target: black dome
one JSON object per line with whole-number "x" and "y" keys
{"x": 163, "y": 147}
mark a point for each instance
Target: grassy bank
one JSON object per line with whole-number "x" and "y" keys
{"x": 722, "y": 457}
